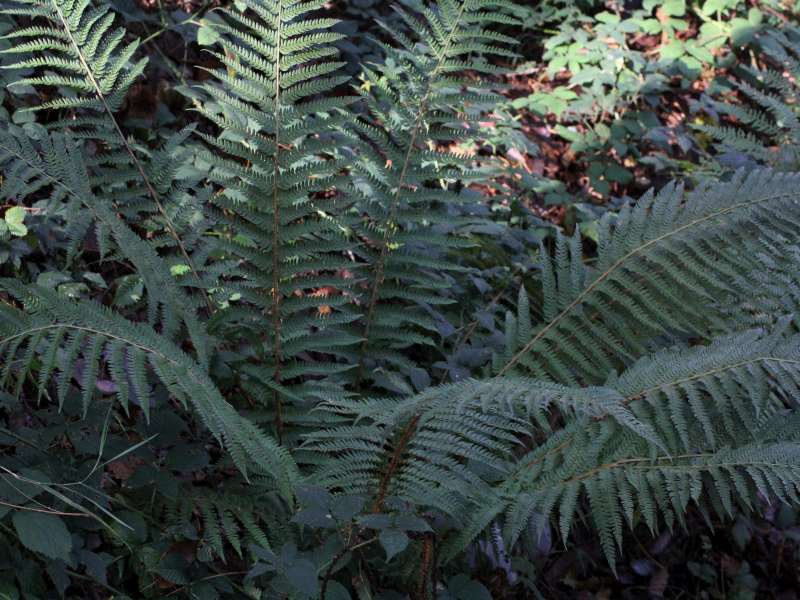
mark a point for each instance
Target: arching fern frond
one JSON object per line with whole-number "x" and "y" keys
{"x": 92, "y": 335}
{"x": 661, "y": 488}
{"x": 73, "y": 45}
{"x": 58, "y": 165}
{"x": 667, "y": 266}
{"x": 234, "y": 520}
{"x": 681, "y": 411}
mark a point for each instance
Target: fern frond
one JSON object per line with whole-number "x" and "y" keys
{"x": 93, "y": 331}
{"x": 60, "y": 166}
{"x": 680, "y": 411}
{"x": 763, "y": 122}
{"x": 79, "y": 51}
{"x": 404, "y": 179}
{"x": 668, "y": 267}
{"x": 279, "y": 172}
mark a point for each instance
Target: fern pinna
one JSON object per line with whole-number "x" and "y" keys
{"x": 297, "y": 273}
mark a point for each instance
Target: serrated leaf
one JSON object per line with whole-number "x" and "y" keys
{"x": 43, "y": 533}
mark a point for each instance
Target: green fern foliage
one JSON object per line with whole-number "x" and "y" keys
{"x": 81, "y": 51}
{"x": 75, "y": 48}
{"x": 58, "y": 166}
{"x": 276, "y": 113}
{"x": 669, "y": 266}
{"x": 763, "y": 123}
{"x": 97, "y": 337}
{"x": 228, "y": 522}
{"x": 409, "y": 170}
{"x": 683, "y": 425}
{"x": 278, "y": 269}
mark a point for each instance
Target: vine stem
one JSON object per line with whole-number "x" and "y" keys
{"x": 46, "y": 511}
{"x": 335, "y": 560}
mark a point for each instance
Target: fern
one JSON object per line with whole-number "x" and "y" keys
{"x": 670, "y": 266}
{"x": 60, "y": 167}
{"x": 305, "y": 265}
{"x": 74, "y": 46}
{"x": 276, "y": 116}
{"x": 82, "y": 52}
{"x": 229, "y": 521}
{"x": 670, "y": 417}
{"x": 91, "y": 331}
{"x": 407, "y": 176}
{"x": 654, "y": 271}
{"x": 763, "y": 124}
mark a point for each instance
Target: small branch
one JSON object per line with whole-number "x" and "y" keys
{"x": 208, "y": 578}
{"x": 339, "y": 555}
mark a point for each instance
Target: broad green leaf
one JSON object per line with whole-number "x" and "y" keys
{"x": 44, "y": 533}
{"x": 393, "y": 541}
{"x": 15, "y": 217}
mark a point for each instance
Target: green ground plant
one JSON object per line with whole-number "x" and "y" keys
{"x": 216, "y": 346}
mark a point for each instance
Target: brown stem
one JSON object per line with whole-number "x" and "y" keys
{"x": 276, "y": 229}
{"x": 353, "y": 545}
{"x": 394, "y": 463}
{"x": 425, "y": 569}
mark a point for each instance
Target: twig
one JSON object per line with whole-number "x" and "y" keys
{"x": 208, "y": 578}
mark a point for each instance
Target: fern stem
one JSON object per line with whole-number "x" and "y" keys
{"x": 391, "y": 226}
{"x": 633, "y": 462}
{"x": 276, "y": 228}
{"x": 129, "y": 149}
{"x": 426, "y": 569}
{"x": 765, "y": 359}
{"x": 608, "y": 272}
{"x": 394, "y": 463}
